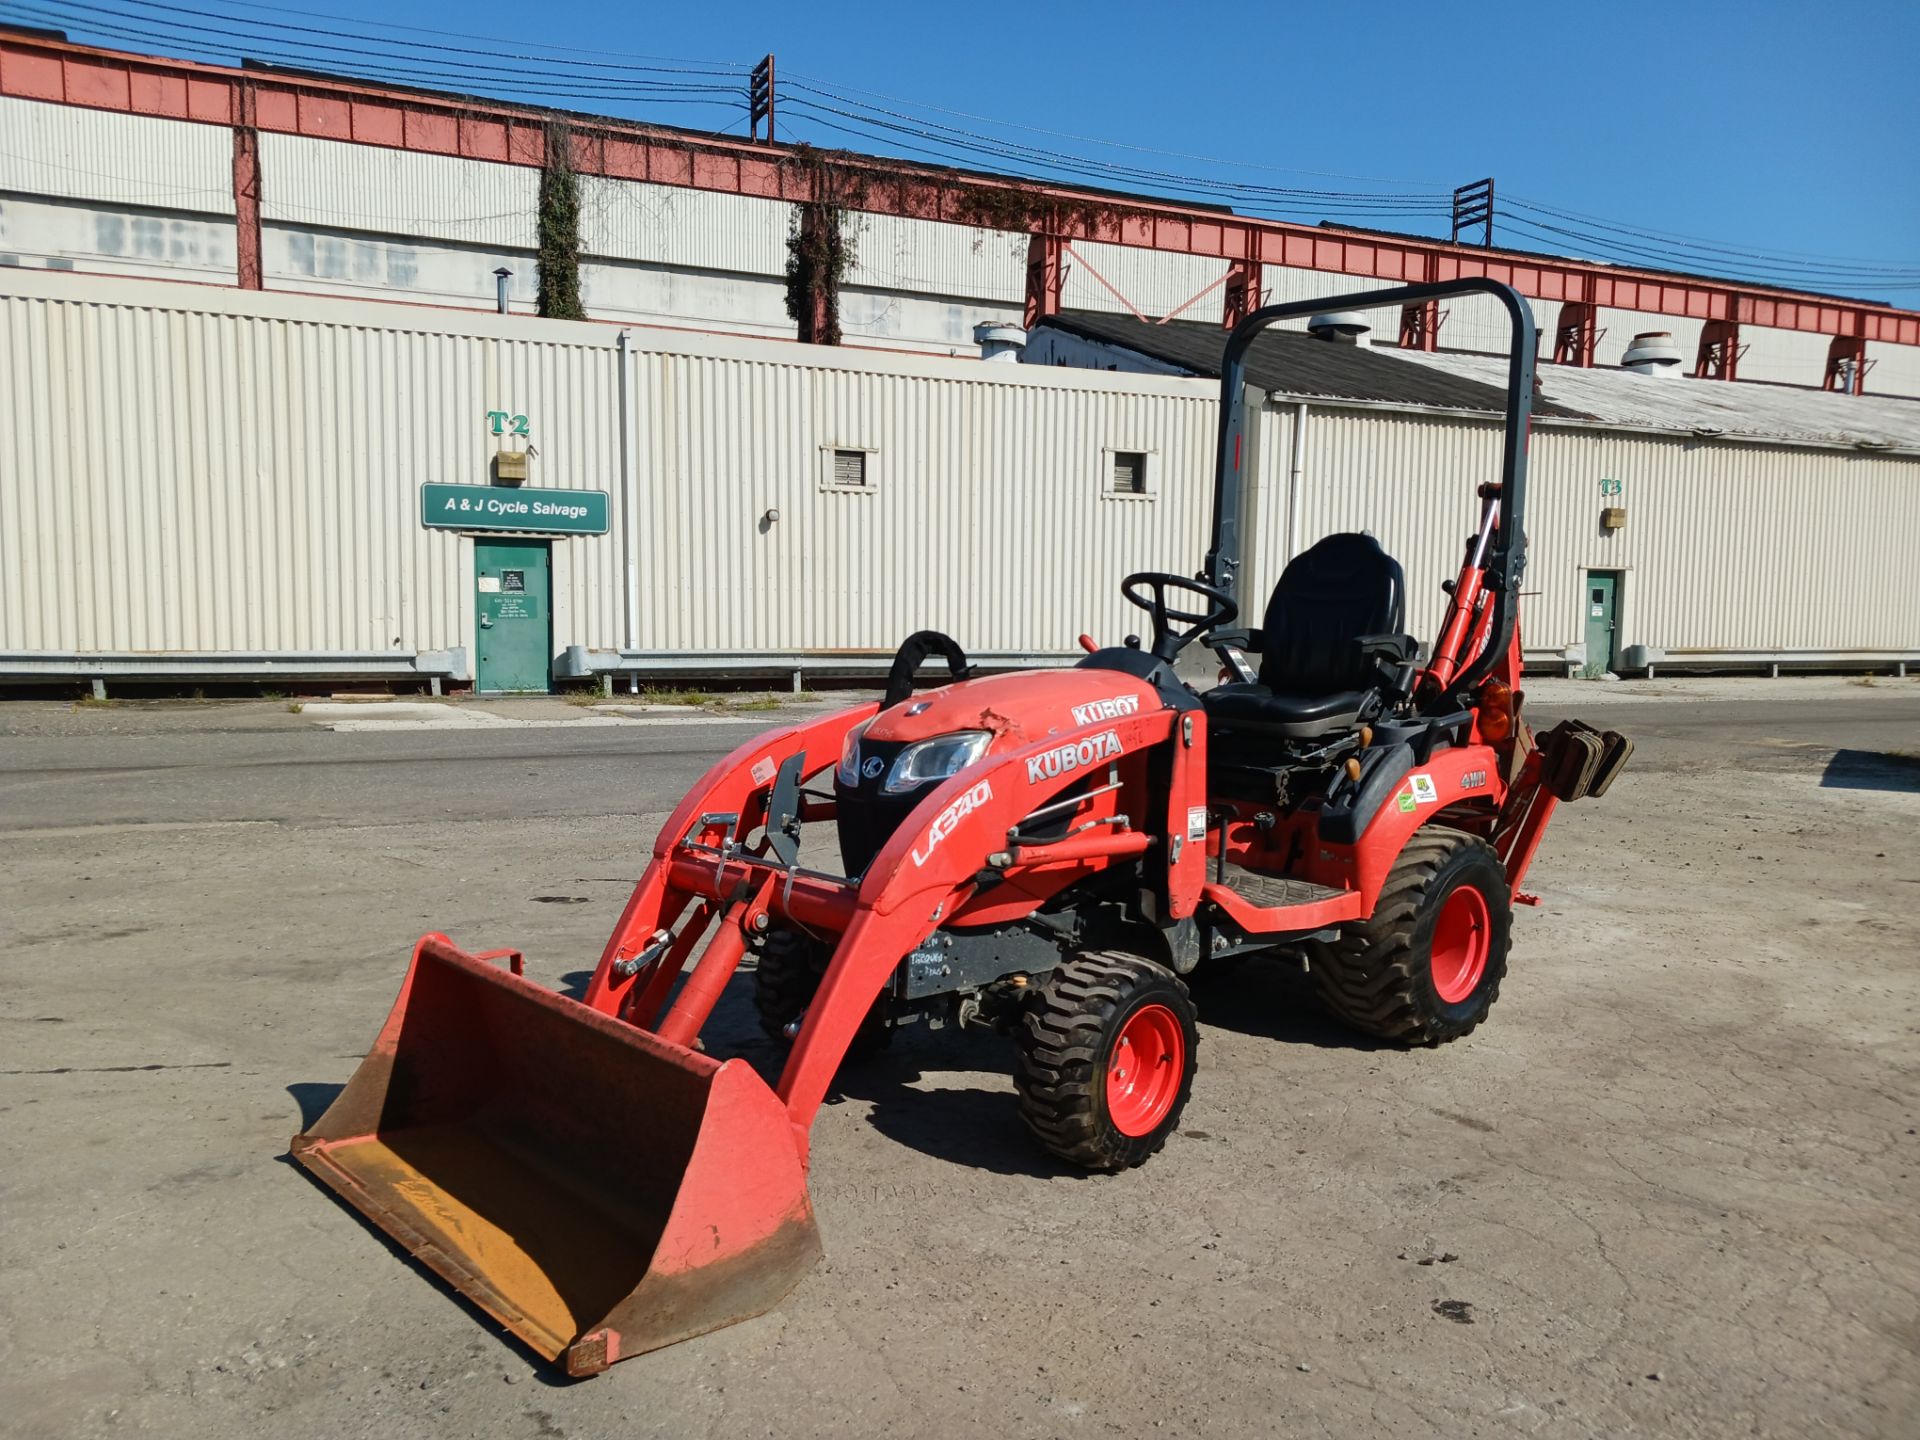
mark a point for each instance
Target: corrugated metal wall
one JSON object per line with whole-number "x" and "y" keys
{"x": 1727, "y": 545}
{"x": 72, "y": 153}
{"x": 197, "y": 470}
{"x": 396, "y": 192}
{"x": 984, "y": 516}
{"x": 204, "y": 471}
{"x": 189, "y": 469}
{"x": 364, "y": 219}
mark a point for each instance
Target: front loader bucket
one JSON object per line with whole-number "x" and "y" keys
{"x": 598, "y": 1191}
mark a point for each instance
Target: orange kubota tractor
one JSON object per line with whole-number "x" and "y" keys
{"x": 1045, "y": 853}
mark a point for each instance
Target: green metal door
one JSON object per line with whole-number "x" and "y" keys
{"x": 1603, "y": 590}
{"x": 513, "y": 615}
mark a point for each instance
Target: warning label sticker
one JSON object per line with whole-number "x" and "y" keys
{"x": 1197, "y": 823}
{"x": 1423, "y": 789}
{"x": 763, "y": 770}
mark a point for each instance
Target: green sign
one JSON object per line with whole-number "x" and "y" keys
{"x": 514, "y": 508}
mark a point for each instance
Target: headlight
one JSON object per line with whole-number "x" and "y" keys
{"x": 849, "y": 771}
{"x": 935, "y": 759}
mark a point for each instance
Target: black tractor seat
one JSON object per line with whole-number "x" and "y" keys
{"x": 1254, "y": 707}
{"x": 1329, "y": 647}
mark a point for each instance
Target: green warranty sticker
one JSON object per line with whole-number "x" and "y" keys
{"x": 1407, "y": 802}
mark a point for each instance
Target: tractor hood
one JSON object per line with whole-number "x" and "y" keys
{"x": 1017, "y": 709}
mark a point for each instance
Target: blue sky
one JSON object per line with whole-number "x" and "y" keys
{"x": 1777, "y": 128}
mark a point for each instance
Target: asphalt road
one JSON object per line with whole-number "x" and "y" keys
{"x": 1669, "y": 1189}
{"x": 174, "y": 763}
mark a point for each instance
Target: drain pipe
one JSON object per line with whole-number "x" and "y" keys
{"x": 629, "y": 636}
{"x": 1295, "y": 469}
{"x": 500, "y": 278}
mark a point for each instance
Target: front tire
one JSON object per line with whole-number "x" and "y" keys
{"x": 1107, "y": 1058}
{"x": 1426, "y": 966}
{"x": 788, "y": 974}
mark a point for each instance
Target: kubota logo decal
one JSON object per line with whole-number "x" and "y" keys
{"x": 1055, "y": 763}
{"x": 950, "y": 819}
{"x": 1112, "y": 708}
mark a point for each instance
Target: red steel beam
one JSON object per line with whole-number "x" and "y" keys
{"x": 246, "y": 193}
{"x": 34, "y": 68}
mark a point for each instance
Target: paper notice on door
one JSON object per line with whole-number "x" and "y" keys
{"x": 489, "y": 584}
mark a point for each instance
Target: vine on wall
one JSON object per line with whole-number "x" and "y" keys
{"x": 559, "y": 229}
{"x": 821, "y": 240}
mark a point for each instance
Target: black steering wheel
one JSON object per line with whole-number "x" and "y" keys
{"x": 1167, "y": 641}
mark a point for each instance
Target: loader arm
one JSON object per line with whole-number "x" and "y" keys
{"x": 954, "y": 841}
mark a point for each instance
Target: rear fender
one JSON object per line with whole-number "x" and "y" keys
{"x": 1470, "y": 772}
{"x": 928, "y": 870}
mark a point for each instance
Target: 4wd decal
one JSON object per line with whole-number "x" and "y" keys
{"x": 1057, "y": 762}
{"x": 1473, "y": 779}
{"x": 949, "y": 820}
{"x": 1112, "y": 708}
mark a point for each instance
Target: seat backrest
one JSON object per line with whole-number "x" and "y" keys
{"x": 1343, "y": 587}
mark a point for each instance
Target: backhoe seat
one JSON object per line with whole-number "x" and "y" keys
{"x": 1315, "y": 676}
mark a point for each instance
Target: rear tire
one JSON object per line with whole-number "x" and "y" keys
{"x": 791, "y": 966}
{"x": 1107, "y": 1058}
{"x": 1426, "y": 967}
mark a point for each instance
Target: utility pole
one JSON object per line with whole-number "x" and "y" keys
{"x": 1473, "y": 205}
{"x": 760, "y": 99}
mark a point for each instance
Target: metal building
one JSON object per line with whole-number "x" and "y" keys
{"x": 1674, "y": 521}
{"x": 204, "y": 482}
{"x": 129, "y": 164}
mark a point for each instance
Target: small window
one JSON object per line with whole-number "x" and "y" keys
{"x": 1127, "y": 474}
{"x": 846, "y": 468}
{"x": 850, "y": 468}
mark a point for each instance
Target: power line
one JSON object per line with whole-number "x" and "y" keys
{"x": 372, "y": 64}
{"x": 1720, "y": 254}
{"x": 1702, "y": 241}
{"x": 247, "y": 43}
{"x": 921, "y": 126}
{"x": 863, "y": 127}
{"x": 1650, "y": 257}
{"x": 676, "y": 66}
{"x": 1109, "y": 144}
{"x": 630, "y": 79}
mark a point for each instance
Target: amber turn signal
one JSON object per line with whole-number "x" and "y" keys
{"x": 1496, "y": 710}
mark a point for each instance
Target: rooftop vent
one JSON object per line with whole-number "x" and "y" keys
{"x": 1652, "y": 353}
{"x": 1342, "y": 327}
{"x": 999, "y": 341}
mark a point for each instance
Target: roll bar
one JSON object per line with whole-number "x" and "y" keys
{"x": 1506, "y": 558}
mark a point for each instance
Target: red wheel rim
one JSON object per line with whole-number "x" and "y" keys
{"x": 1144, "y": 1070}
{"x": 1462, "y": 936}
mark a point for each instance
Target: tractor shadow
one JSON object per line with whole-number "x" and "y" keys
{"x": 1270, "y": 999}
{"x": 974, "y": 1126}
{"x": 968, "y": 1115}
{"x": 1872, "y": 770}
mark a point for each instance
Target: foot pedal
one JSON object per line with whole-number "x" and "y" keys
{"x": 1618, "y": 748}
